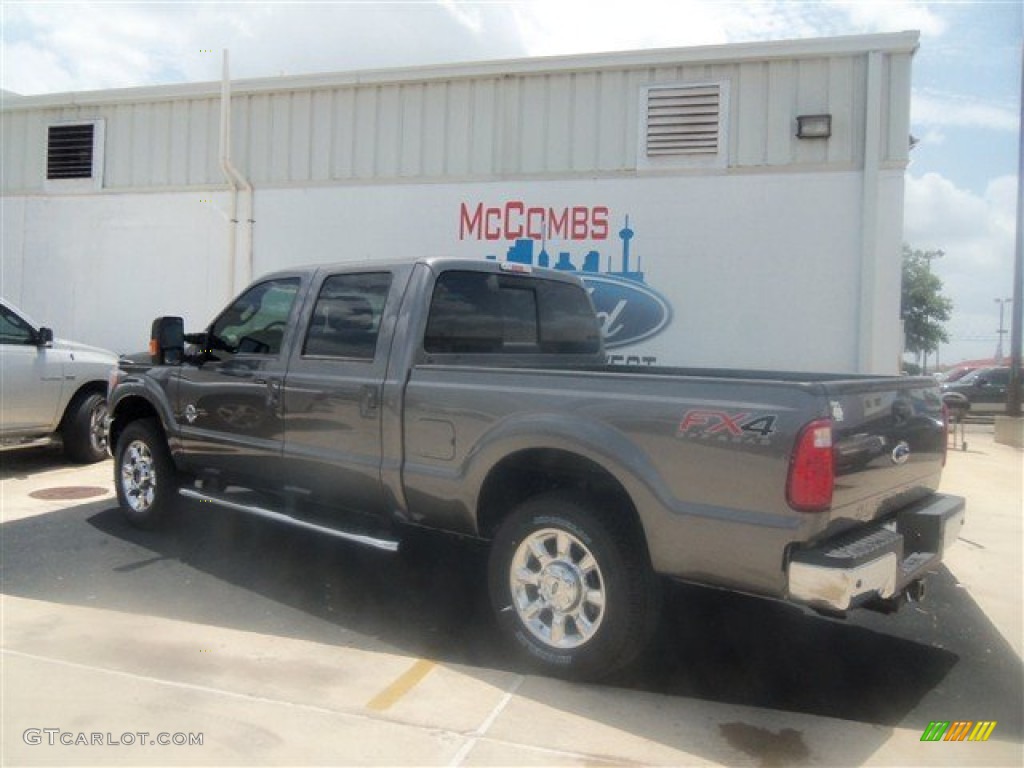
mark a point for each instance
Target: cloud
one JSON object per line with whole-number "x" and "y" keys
{"x": 549, "y": 28}
{"x": 933, "y": 137}
{"x": 51, "y": 47}
{"x": 935, "y": 108}
{"x": 567, "y": 26}
{"x": 976, "y": 233}
{"x": 890, "y": 16}
{"x": 30, "y": 68}
{"x": 74, "y": 47}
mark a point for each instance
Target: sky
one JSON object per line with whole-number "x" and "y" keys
{"x": 961, "y": 186}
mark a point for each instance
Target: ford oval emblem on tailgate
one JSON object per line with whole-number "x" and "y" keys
{"x": 629, "y": 311}
{"x": 901, "y": 453}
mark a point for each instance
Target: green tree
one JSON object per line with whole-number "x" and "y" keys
{"x": 924, "y": 308}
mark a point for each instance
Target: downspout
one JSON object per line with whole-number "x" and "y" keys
{"x": 237, "y": 182}
{"x": 868, "y": 322}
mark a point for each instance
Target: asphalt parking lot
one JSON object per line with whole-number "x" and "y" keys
{"x": 276, "y": 646}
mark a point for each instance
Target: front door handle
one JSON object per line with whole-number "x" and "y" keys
{"x": 273, "y": 390}
{"x": 368, "y": 402}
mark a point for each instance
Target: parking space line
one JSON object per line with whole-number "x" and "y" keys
{"x": 205, "y": 689}
{"x": 485, "y": 726}
{"x": 401, "y": 686}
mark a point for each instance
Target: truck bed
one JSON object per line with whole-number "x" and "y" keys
{"x": 706, "y": 450}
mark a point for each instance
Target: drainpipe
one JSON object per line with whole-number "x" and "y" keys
{"x": 237, "y": 182}
{"x": 867, "y": 329}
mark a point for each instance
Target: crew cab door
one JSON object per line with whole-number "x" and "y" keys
{"x": 229, "y": 406}
{"x": 332, "y": 395}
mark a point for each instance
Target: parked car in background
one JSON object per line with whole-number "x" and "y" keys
{"x": 53, "y": 390}
{"x": 955, "y": 374}
{"x": 985, "y": 388}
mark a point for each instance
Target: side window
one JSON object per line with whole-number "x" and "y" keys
{"x": 255, "y": 323}
{"x": 347, "y": 315}
{"x": 999, "y": 377}
{"x": 14, "y": 330}
{"x": 480, "y": 313}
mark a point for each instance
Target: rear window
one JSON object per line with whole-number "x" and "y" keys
{"x": 480, "y": 313}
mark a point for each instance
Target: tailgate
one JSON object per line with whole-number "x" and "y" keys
{"x": 889, "y": 439}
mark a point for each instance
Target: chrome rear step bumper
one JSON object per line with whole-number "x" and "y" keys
{"x": 883, "y": 561}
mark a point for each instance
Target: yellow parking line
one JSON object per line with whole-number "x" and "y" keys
{"x": 405, "y": 683}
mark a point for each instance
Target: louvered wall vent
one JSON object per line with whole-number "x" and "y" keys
{"x": 69, "y": 151}
{"x": 683, "y": 120}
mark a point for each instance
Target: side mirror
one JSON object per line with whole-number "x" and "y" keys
{"x": 167, "y": 341}
{"x": 44, "y": 337}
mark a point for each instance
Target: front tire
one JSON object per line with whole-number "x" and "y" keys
{"x": 572, "y": 587}
{"x": 144, "y": 475}
{"x": 85, "y": 432}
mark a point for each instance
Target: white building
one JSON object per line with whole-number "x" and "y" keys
{"x": 747, "y": 245}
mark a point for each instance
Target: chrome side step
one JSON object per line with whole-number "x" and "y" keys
{"x": 376, "y": 542}
{"x": 14, "y": 443}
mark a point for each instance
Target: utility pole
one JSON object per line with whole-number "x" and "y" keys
{"x": 1002, "y": 329}
{"x": 1017, "y": 320}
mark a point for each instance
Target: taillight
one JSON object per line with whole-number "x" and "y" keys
{"x": 812, "y": 469}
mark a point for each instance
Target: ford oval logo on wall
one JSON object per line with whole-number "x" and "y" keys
{"x": 629, "y": 311}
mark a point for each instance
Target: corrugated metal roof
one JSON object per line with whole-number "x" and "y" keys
{"x": 898, "y": 42}
{"x": 551, "y": 117}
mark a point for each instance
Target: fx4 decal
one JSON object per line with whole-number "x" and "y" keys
{"x": 702, "y": 424}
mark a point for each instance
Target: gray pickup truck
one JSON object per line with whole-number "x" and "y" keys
{"x": 364, "y": 399}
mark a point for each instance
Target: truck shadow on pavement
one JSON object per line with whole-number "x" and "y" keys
{"x": 940, "y": 660}
{"x": 26, "y": 462}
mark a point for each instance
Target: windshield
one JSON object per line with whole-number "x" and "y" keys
{"x": 970, "y": 378}
{"x": 24, "y": 316}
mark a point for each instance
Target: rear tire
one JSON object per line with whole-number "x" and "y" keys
{"x": 84, "y": 432}
{"x": 144, "y": 475}
{"x": 572, "y": 587}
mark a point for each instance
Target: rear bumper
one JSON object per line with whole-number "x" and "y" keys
{"x": 876, "y": 561}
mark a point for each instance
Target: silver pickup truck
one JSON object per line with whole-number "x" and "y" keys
{"x": 361, "y": 400}
{"x": 53, "y": 390}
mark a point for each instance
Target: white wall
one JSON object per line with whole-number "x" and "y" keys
{"x": 760, "y": 270}
{"x": 99, "y": 268}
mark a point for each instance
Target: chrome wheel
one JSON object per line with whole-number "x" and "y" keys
{"x": 98, "y": 434}
{"x": 138, "y": 476}
{"x": 557, "y": 588}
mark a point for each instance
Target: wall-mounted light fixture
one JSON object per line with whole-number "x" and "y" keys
{"x": 813, "y": 126}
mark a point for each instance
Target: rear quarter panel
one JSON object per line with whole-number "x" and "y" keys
{"x": 710, "y": 494}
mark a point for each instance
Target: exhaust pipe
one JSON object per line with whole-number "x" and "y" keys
{"x": 912, "y": 593}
